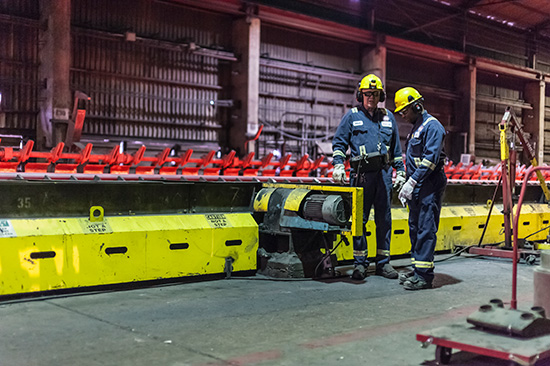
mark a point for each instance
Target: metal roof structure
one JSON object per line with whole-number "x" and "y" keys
{"x": 526, "y": 14}
{"x": 531, "y": 15}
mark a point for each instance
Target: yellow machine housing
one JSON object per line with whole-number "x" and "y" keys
{"x": 298, "y": 225}
{"x": 59, "y": 253}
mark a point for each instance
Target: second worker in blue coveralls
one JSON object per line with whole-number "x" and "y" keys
{"x": 425, "y": 185}
{"x": 371, "y": 134}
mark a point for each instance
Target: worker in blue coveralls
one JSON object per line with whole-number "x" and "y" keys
{"x": 373, "y": 138}
{"x": 424, "y": 187}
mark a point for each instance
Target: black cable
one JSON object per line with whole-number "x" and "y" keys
{"x": 536, "y": 232}
{"x": 490, "y": 210}
{"x": 455, "y": 254}
{"x": 329, "y": 253}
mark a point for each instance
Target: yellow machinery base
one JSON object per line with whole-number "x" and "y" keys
{"x": 459, "y": 226}
{"x": 59, "y": 253}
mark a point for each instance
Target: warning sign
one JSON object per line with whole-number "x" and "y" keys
{"x": 101, "y": 227}
{"x": 6, "y": 230}
{"x": 218, "y": 220}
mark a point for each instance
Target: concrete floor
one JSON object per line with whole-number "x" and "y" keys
{"x": 257, "y": 321}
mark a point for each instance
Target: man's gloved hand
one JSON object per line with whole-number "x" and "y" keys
{"x": 339, "y": 174}
{"x": 400, "y": 179}
{"x": 406, "y": 191}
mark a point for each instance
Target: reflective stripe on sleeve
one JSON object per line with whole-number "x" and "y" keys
{"x": 362, "y": 150}
{"x": 417, "y": 162}
{"x": 428, "y": 163}
{"x": 339, "y": 153}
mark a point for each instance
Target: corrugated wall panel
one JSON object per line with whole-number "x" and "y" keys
{"x": 153, "y": 87}
{"x": 299, "y": 108}
{"x": 497, "y": 43}
{"x": 489, "y": 115}
{"x": 19, "y": 67}
{"x": 543, "y": 56}
{"x": 20, "y": 8}
{"x": 435, "y": 82}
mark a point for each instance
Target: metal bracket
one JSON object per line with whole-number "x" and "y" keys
{"x": 228, "y": 268}
{"x": 96, "y": 213}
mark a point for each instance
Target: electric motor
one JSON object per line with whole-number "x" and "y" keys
{"x": 331, "y": 209}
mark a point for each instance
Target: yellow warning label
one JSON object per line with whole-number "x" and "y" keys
{"x": 101, "y": 227}
{"x": 217, "y": 220}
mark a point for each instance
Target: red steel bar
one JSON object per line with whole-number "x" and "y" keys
{"x": 530, "y": 171}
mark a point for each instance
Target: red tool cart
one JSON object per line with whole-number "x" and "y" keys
{"x": 523, "y": 337}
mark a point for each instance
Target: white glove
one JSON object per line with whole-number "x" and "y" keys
{"x": 339, "y": 174}
{"x": 407, "y": 191}
{"x": 400, "y": 179}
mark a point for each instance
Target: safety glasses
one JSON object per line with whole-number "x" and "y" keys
{"x": 375, "y": 94}
{"x": 404, "y": 111}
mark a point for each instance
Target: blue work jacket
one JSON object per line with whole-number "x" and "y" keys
{"x": 364, "y": 134}
{"x": 425, "y": 148}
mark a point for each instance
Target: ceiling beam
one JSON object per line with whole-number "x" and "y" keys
{"x": 420, "y": 27}
{"x": 406, "y": 15}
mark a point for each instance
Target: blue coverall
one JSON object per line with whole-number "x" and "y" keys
{"x": 425, "y": 160}
{"x": 365, "y": 133}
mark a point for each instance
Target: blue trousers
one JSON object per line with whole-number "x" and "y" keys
{"x": 376, "y": 192}
{"x": 424, "y": 212}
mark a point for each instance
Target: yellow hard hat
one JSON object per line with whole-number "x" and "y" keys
{"x": 371, "y": 81}
{"x": 406, "y": 96}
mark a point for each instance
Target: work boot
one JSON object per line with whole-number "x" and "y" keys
{"x": 386, "y": 270}
{"x": 404, "y": 276}
{"x": 359, "y": 273}
{"x": 416, "y": 283}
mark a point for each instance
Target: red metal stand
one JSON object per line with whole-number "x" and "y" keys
{"x": 465, "y": 337}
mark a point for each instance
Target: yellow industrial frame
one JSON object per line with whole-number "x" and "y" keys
{"x": 356, "y": 200}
